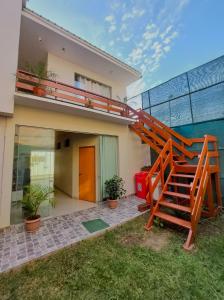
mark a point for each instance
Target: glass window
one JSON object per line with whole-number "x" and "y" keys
{"x": 162, "y": 112}
{"x": 180, "y": 111}
{"x": 173, "y": 88}
{"x": 148, "y": 110}
{"x": 207, "y": 74}
{"x": 208, "y": 104}
{"x": 93, "y": 86}
{"x": 145, "y": 100}
{"x": 33, "y": 164}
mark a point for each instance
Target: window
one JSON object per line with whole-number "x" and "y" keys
{"x": 93, "y": 86}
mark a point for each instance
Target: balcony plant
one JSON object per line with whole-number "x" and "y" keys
{"x": 34, "y": 196}
{"x": 41, "y": 72}
{"x": 114, "y": 188}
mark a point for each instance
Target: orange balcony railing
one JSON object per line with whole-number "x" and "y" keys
{"x": 66, "y": 93}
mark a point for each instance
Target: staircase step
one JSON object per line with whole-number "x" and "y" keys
{"x": 180, "y": 161}
{"x": 182, "y": 175}
{"x": 172, "y": 219}
{"x": 186, "y": 168}
{"x": 179, "y": 195}
{"x": 175, "y": 206}
{"x": 179, "y": 184}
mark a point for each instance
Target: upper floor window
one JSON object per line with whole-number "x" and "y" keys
{"x": 93, "y": 86}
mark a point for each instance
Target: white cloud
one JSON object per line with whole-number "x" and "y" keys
{"x": 123, "y": 27}
{"x": 109, "y": 18}
{"x": 170, "y": 37}
{"x": 166, "y": 31}
{"x": 166, "y": 48}
{"x": 112, "y": 23}
{"x": 149, "y": 34}
{"x": 112, "y": 28}
{"x": 182, "y": 4}
{"x": 136, "y": 55}
{"x": 144, "y": 39}
{"x": 134, "y": 13}
{"x": 126, "y": 38}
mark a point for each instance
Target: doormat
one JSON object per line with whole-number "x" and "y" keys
{"x": 95, "y": 225}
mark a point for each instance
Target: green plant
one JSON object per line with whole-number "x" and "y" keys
{"x": 158, "y": 222}
{"x": 114, "y": 187}
{"x": 40, "y": 71}
{"x": 34, "y": 195}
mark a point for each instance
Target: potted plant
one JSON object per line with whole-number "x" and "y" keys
{"x": 41, "y": 72}
{"x": 114, "y": 187}
{"x": 89, "y": 104}
{"x": 34, "y": 196}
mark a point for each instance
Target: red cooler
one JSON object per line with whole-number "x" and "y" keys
{"x": 140, "y": 184}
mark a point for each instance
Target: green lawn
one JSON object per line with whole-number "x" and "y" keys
{"x": 126, "y": 263}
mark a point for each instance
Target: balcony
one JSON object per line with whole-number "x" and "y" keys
{"x": 64, "y": 98}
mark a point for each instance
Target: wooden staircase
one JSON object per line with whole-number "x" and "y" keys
{"x": 189, "y": 180}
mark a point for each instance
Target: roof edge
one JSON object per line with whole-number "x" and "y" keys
{"x": 24, "y": 3}
{"x": 75, "y": 38}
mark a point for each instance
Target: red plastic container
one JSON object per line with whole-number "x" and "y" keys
{"x": 140, "y": 184}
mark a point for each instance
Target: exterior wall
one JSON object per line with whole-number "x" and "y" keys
{"x": 9, "y": 35}
{"x": 132, "y": 154}
{"x": 63, "y": 166}
{"x": 65, "y": 73}
{"x": 7, "y": 134}
{"x": 3, "y": 122}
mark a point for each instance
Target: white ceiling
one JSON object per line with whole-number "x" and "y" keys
{"x": 54, "y": 39}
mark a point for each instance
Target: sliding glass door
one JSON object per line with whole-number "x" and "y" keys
{"x": 33, "y": 164}
{"x": 108, "y": 160}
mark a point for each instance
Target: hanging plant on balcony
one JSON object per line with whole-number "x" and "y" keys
{"x": 114, "y": 187}
{"x": 41, "y": 73}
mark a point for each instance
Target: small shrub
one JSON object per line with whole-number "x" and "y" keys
{"x": 114, "y": 187}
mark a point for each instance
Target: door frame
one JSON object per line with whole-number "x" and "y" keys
{"x": 94, "y": 148}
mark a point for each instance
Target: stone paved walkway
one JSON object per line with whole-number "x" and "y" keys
{"x": 18, "y": 246}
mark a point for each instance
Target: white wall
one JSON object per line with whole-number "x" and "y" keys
{"x": 65, "y": 71}
{"x": 63, "y": 165}
{"x": 10, "y": 15}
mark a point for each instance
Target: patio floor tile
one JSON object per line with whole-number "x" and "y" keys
{"x": 18, "y": 246}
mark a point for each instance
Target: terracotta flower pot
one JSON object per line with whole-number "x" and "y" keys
{"x": 39, "y": 91}
{"x": 112, "y": 203}
{"x": 32, "y": 225}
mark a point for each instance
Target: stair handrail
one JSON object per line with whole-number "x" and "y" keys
{"x": 165, "y": 157}
{"x": 198, "y": 172}
{"x": 173, "y": 133}
{"x": 162, "y": 131}
{"x": 199, "y": 184}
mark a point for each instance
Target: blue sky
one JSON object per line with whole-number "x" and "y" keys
{"x": 161, "y": 38}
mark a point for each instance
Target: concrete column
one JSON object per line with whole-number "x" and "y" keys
{"x": 10, "y": 18}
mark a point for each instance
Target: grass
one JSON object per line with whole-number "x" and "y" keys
{"x": 121, "y": 264}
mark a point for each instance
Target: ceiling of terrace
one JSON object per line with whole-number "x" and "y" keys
{"x": 37, "y": 38}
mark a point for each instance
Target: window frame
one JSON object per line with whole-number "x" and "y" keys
{"x": 93, "y": 81}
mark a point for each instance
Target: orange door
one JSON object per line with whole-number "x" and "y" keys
{"x": 87, "y": 174}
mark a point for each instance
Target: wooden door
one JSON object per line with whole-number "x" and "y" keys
{"x": 87, "y": 182}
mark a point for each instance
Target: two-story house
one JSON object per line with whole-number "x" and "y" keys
{"x": 74, "y": 136}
